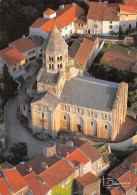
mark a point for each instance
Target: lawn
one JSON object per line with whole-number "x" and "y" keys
{"x": 67, "y": 190}
{"x": 122, "y": 49}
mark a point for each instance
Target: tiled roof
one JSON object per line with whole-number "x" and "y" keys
{"x": 119, "y": 171}
{"x": 4, "y": 188}
{"x": 23, "y": 44}
{"x": 87, "y": 179}
{"x": 36, "y": 185}
{"x": 131, "y": 3}
{"x": 6, "y": 165}
{"x": 101, "y": 12}
{"x": 15, "y": 180}
{"x": 11, "y": 56}
{"x": 57, "y": 173}
{"x": 132, "y": 158}
{"x": 39, "y": 22}
{"x": 35, "y": 163}
{"x": 77, "y": 142}
{"x": 116, "y": 191}
{"x": 49, "y": 11}
{"x": 127, "y": 9}
{"x": 100, "y": 95}
{"x": 63, "y": 151}
{"x": 90, "y": 151}
{"x": 81, "y": 20}
{"x": 135, "y": 166}
{"x": 77, "y": 157}
{"x": 128, "y": 180}
{"x": 85, "y": 51}
{"x": 119, "y": 61}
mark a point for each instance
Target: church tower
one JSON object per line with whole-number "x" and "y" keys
{"x": 55, "y": 52}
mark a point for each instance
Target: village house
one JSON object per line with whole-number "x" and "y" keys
{"x": 119, "y": 61}
{"x": 14, "y": 60}
{"x": 57, "y": 168}
{"x": 63, "y": 18}
{"x": 84, "y": 51}
{"x": 123, "y": 178}
{"x": 61, "y": 90}
{"x": 106, "y": 19}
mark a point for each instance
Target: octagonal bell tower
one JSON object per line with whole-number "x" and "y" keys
{"x": 56, "y": 52}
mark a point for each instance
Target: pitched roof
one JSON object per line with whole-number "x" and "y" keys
{"x": 101, "y": 12}
{"x": 116, "y": 191}
{"x": 6, "y": 165}
{"x": 4, "y": 188}
{"x": 36, "y": 185}
{"x": 57, "y": 173}
{"x": 131, "y": 3}
{"x": 85, "y": 51}
{"x": 77, "y": 142}
{"x": 132, "y": 158}
{"x": 11, "y": 56}
{"x": 127, "y": 9}
{"x": 55, "y": 42}
{"x": 100, "y": 94}
{"x": 63, "y": 151}
{"x": 128, "y": 180}
{"x": 18, "y": 182}
{"x": 119, "y": 61}
{"x": 119, "y": 171}
{"x": 90, "y": 151}
{"x": 49, "y": 11}
{"x": 77, "y": 157}
{"x": 23, "y": 44}
{"x": 87, "y": 179}
{"x": 35, "y": 163}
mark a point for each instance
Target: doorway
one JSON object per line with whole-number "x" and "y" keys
{"x": 79, "y": 128}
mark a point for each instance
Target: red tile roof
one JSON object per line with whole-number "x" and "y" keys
{"x": 77, "y": 157}
{"x": 116, "y": 191}
{"x": 49, "y": 11}
{"x": 87, "y": 179}
{"x": 4, "y": 188}
{"x": 135, "y": 166}
{"x": 23, "y": 44}
{"x": 90, "y": 151}
{"x": 85, "y": 51}
{"x": 128, "y": 180}
{"x": 11, "y": 56}
{"x": 36, "y": 185}
{"x": 64, "y": 150}
{"x": 39, "y": 22}
{"x": 57, "y": 173}
{"x": 131, "y": 3}
{"x": 101, "y": 12}
{"x": 127, "y": 9}
{"x": 6, "y": 165}
{"x": 15, "y": 180}
{"x": 119, "y": 61}
{"x": 132, "y": 158}
{"x": 35, "y": 163}
{"x": 119, "y": 171}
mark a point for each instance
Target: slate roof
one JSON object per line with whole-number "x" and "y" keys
{"x": 91, "y": 93}
{"x": 48, "y": 78}
{"x": 87, "y": 179}
{"x": 55, "y": 42}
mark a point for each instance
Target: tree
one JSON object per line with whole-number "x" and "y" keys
{"x": 19, "y": 150}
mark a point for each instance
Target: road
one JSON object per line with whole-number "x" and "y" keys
{"x": 16, "y": 132}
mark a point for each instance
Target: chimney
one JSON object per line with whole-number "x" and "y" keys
{"x": 61, "y": 7}
{"x": 69, "y": 143}
{"x": 49, "y": 149}
{"x": 73, "y": 3}
{"x": 23, "y": 36}
{"x": 44, "y": 165}
{"x": 67, "y": 153}
{"x": 29, "y": 168}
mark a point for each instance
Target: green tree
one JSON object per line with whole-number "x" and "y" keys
{"x": 19, "y": 150}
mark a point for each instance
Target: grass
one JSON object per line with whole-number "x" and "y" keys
{"x": 67, "y": 190}
{"x": 122, "y": 49}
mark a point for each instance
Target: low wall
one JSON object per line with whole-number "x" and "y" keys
{"x": 113, "y": 41}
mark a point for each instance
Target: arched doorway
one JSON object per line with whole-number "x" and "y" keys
{"x": 78, "y": 124}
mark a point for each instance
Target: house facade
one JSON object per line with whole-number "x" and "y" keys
{"x": 60, "y": 103}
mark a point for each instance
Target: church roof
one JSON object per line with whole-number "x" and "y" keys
{"x": 55, "y": 42}
{"x": 89, "y": 93}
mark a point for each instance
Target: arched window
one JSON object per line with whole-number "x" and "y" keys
{"x": 49, "y": 66}
{"x": 52, "y": 66}
{"x": 92, "y": 113}
{"x": 64, "y": 117}
{"x": 52, "y": 59}
{"x": 49, "y": 58}
{"x": 60, "y": 57}
{"x": 60, "y": 65}
{"x": 92, "y": 123}
{"x": 106, "y": 126}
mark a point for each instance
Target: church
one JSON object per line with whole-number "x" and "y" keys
{"x": 67, "y": 100}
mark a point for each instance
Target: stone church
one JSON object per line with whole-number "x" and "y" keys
{"x": 67, "y": 100}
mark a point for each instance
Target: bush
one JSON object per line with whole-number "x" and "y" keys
{"x": 19, "y": 150}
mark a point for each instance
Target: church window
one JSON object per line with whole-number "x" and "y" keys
{"x": 92, "y": 123}
{"x": 92, "y": 113}
{"x": 42, "y": 115}
{"x": 65, "y": 107}
{"x": 78, "y": 110}
{"x": 52, "y": 59}
{"x": 49, "y": 58}
{"x": 106, "y": 126}
{"x": 105, "y": 116}
{"x": 60, "y": 65}
{"x": 60, "y": 57}
{"x": 49, "y": 66}
{"x": 64, "y": 117}
{"x": 52, "y": 66}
